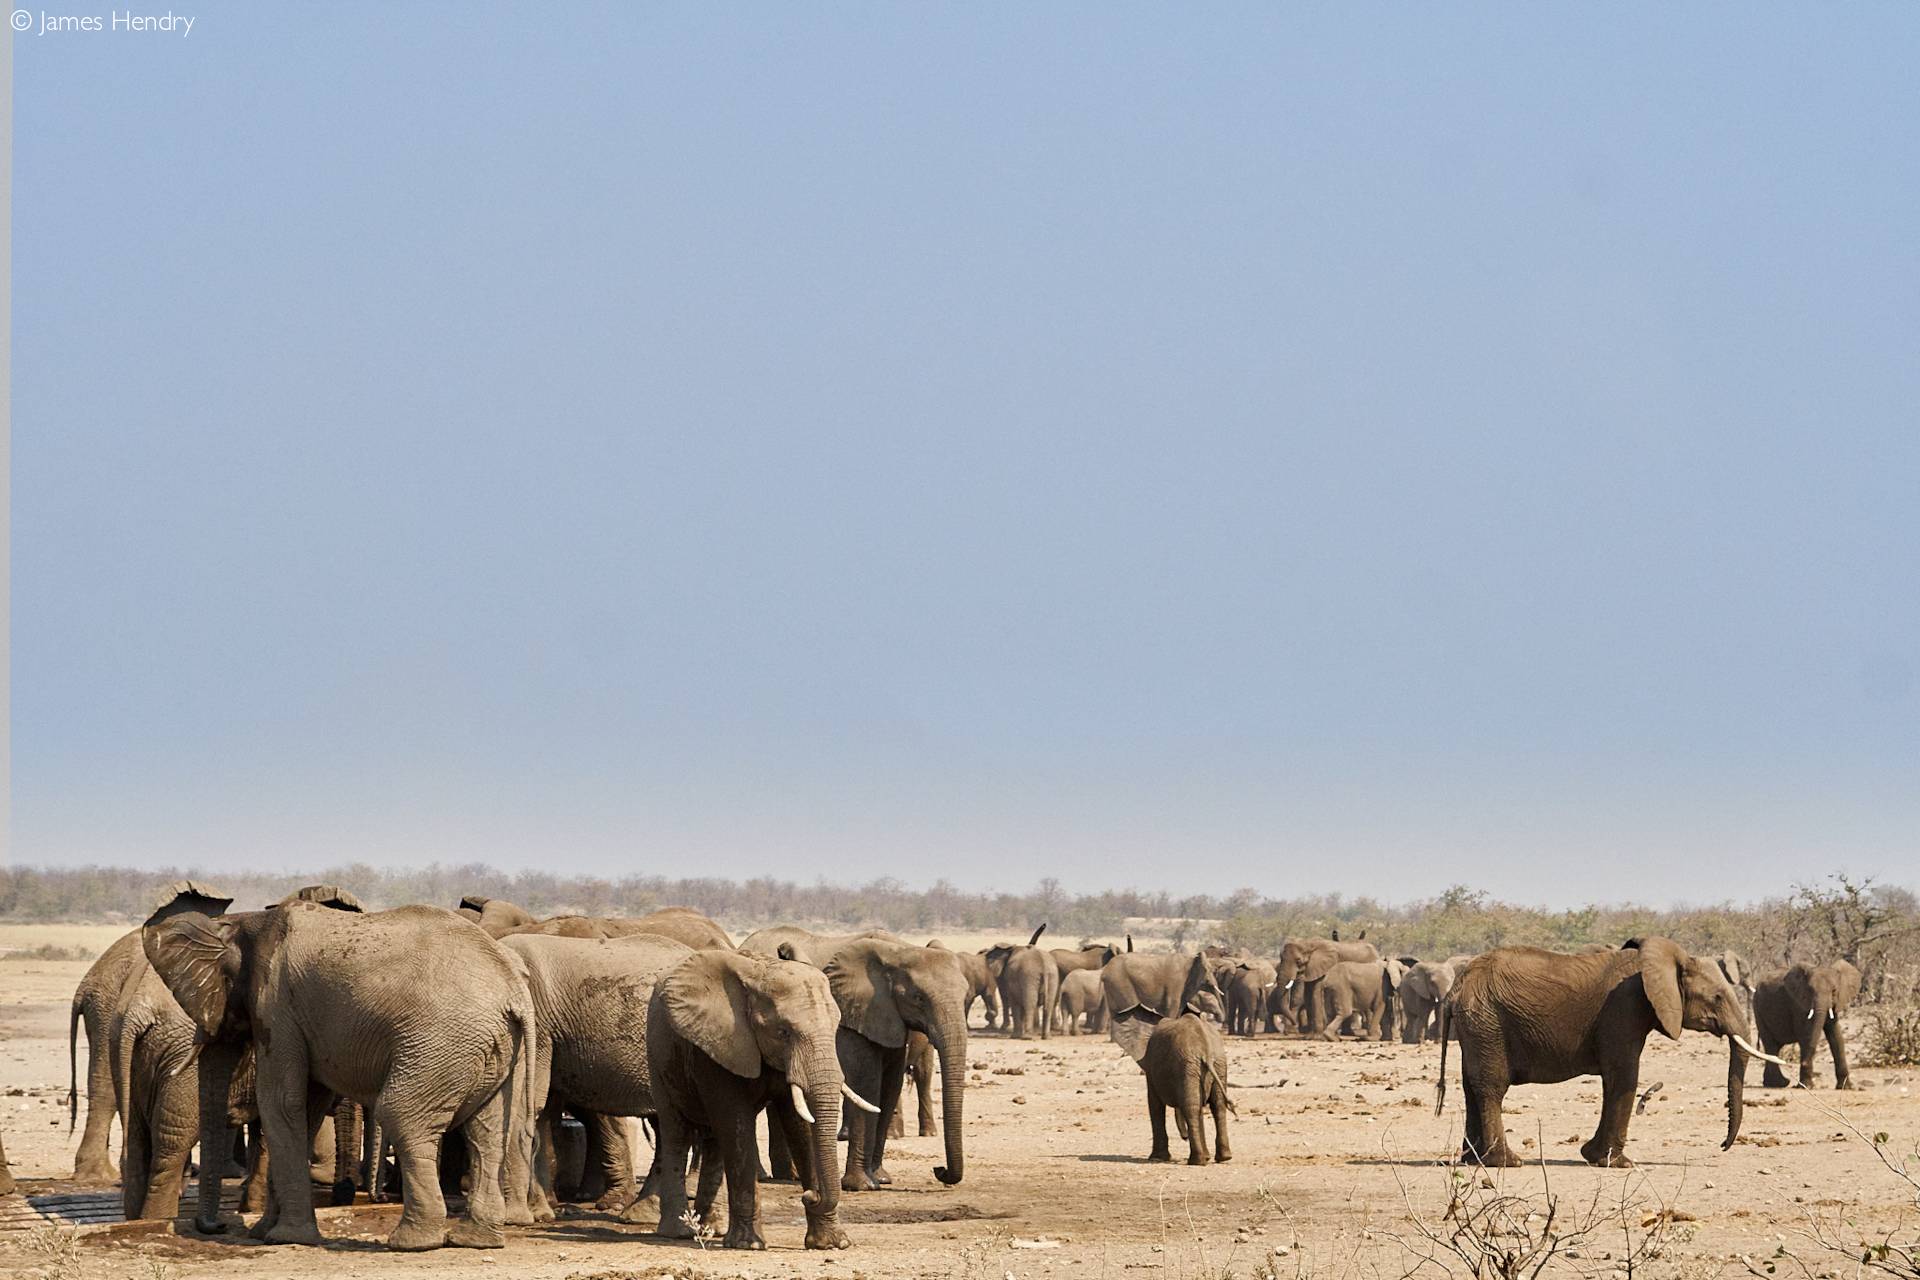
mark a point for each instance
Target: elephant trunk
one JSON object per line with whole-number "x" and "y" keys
{"x": 1736, "y": 1089}
{"x": 949, "y": 1040}
{"x": 815, "y": 1071}
{"x": 217, "y": 1062}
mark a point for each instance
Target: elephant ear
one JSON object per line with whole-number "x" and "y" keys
{"x": 862, "y": 984}
{"x": 1199, "y": 979}
{"x": 327, "y": 895}
{"x": 183, "y": 896}
{"x": 1396, "y": 974}
{"x": 1320, "y": 962}
{"x": 1846, "y": 985}
{"x": 706, "y": 1004}
{"x": 1660, "y": 965}
{"x": 1131, "y": 1029}
{"x": 199, "y": 961}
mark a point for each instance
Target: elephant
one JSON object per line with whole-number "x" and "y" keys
{"x": 1795, "y": 1006}
{"x": 981, "y": 983}
{"x": 1355, "y": 989}
{"x": 803, "y": 944}
{"x": 1426, "y": 984}
{"x": 1081, "y": 996}
{"x": 1306, "y": 961}
{"x": 414, "y": 1013}
{"x": 1741, "y": 974}
{"x": 93, "y": 1005}
{"x": 6, "y": 1172}
{"x": 1249, "y": 982}
{"x": 1528, "y": 1016}
{"x": 729, "y": 1034}
{"x": 1029, "y": 985}
{"x": 590, "y": 996}
{"x": 1090, "y": 957}
{"x": 921, "y": 1070}
{"x": 1186, "y": 1069}
{"x": 496, "y": 915}
{"x": 1142, "y": 990}
{"x": 683, "y": 924}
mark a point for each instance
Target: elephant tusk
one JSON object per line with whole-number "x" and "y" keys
{"x": 859, "y": 1101}
{"x": 800, "y": 1104}
{"x": 1764, "y": 1057}
{"x": 1810, "y": 1014}
{"x": 1289, "y": 985}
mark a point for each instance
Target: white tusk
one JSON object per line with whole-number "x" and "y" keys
{"x": 858, "y": 1101}
{"x": 1764, "y": 1057}
{"x": 1289, "y": 985}
{"x": 800, "y": 1104}
{"x": 1810, "y": 1013}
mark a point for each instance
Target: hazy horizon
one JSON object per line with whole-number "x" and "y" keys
{"x": 1275, "y": 448}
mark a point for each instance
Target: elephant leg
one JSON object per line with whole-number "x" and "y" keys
{"x": 1809, "y": 1045}
{"x": 923, "y": 1072}
{"x": 287, "y": 1127}
{"x": 543, "y": 1176}
{"x": 672, "y": 1139}
{"x": 645, "y": 1209}
{"x": 593, "y": 1169}
{"x": 1772, "y": 1077}
{"x": 253, "y": 1192}
{"x": 486, "y": 1130}
{"x": 1342, "y": 1010}
{"x": 860, "y": 1064}
{"x": 1608, "y": 1145}
{"x": 1217, "y": 1103}
{"x": 346, "y": 1145}
{"x": 782, "y": 1151}
{"x": 712, "y": 1170}
{"x": 893, "y": 1069}
{"x": 784, "y": 1123}
{"x": 1157, "y": 1119}
{"x": 616, "y": 1163}
{"x": 417, "y": 1139}
{"x": 1196, "y": 1127}
{"x": 175, "y": 1128}
{"x": 136, "y": 1158}
{"x": 1837, "y": 1045}
{"x": 94, "y": 1161}
{"x": 739, "y": 1155}
{"x": 1486, "y": 1128}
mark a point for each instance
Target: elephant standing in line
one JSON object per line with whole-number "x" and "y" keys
{"x": 590, "y": 997}
{"x": 1142, "y": 990}
{"x": 729, "y": 1035}
{"x": 496, "y": 915}
{"x": 1528, "y": 1016}
{"x": 1029, "y": 985}
{"x": 982, "y": 985}
{"x": 1081, "y": 996}
{"x": 1306, "y": 961}
{"x": 93, "y": 1006}
{"x": 683, "y": 924}
{"x": 1249, "y": 985}
{"x": 414, "y": 1013}
{"x": 1186, "y": 1068}
{"x": 1426, "y": 985}
{"x": 1795, "y": 1006}
{"x": 1091, "y": 957}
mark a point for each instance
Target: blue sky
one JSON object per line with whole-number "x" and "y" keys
{"x": 1313, "y": 449}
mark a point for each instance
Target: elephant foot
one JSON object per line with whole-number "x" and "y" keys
{"x": 468, "y": 1234}
{"x": 342, "y": 1193}
{"x": 827, "y": 1235}
{"x": 98, "y": 1171}
{"x": 1200, "y": 1159}
{"x": 929, "y": 1130}
{"x": 742, "y": 1236}
{"x": 1771, "y": 1079}
{"x": 1845, "y": 1085}
{"x": 613, "y": 1198}
{"x": 1160, "y": 1157}
{"x": 880, "y": 1177}
{"x": 1498, "y": 1158}
{"x": 290, "y": 1233}
{"x": 1605, "y": 1155}
{"x": 414, "y": 1237}
{"x": 673, "y": 1228}
{"x": 644, "y": 1211}
{"x": 1222, "y": 1157}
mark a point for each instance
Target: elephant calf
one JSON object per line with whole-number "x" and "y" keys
{"x": 1186, "y": 1068}
{"x": 1796, "y": 1007}
{"x": 1081, "y": 996}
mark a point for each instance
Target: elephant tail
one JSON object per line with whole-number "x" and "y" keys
{"x": 73, "y": 1060}
{"x": 1446, "y": 1028}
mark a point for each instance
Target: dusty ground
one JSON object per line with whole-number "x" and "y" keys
{"x": 1333, "y": 1143}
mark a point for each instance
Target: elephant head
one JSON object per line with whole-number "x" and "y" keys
{"x": 496, "y": 915}
{"x": 750, "y": 1013}
{"x": 887, "y": 989}
{"x": 1691, "y": 993}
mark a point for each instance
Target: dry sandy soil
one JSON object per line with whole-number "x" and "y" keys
{"x": 1334, "y": 1145}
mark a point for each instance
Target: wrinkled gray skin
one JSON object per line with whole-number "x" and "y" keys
{"x": 590, "y": 998}
{"x": 1081, "y": 996}
{"x": 6, "y": 1174}
{"x": 682, "y": 924}
{"x": 1426, "y": 984}
{"x": 496, "y": 915}
{"x": 1186, "y": 1068}
{"x": 1305, "y": 961}
{"x": 1528, "y": 1016}
{"x": 314, "y": 990}
{"x": 1029, "y": 986}
{"x": 981, "y": 983}
{"x": 886, "y": 989}
{"x": 93, "y": 1006}
{"x": 1799, "y": 1005}
{"x": 1142, "y": 990}
{"x": 731, "y": 1034}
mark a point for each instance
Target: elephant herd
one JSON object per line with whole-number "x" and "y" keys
{"x": 312, "y": 1041}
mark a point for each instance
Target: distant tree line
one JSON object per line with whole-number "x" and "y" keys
{"x": 1877, "y": 926}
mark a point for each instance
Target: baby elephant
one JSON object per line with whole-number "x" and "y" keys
{"x": 1186, "y": 1066}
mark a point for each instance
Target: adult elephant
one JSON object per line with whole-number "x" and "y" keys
{"x": 1356, "y": 990}
{"x": 1081, "y": 997}
{"x": 1528, "y": 1016}
{"x": 496, "y": 915}
{"x": 1141, "y": 990}
{"x": 590, "y": 996}
{"x": 414, "y": 1013}
{"x": 1741, "y": 974}
{"x": 981, "y": 984}
{"x": 1305, "y": 961}
{"x": 1249, "y": 984}
{"x": 682, "y": 924}
{"x": 886, "y": 989}
{"x": 1426, "y": 985}
{"x": 1796, "y": 1006}
{"x": 1029, "y": 985}
{"x": 93, "y": 1006}
{"x": 730, "y": 1035}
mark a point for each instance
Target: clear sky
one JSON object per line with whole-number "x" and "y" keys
{"x": 1312, "y": 448}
